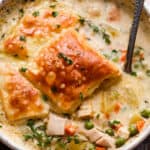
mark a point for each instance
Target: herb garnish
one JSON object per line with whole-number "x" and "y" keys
{"x": 23, "y": 69}
{"x": 21, "y": 11}
{"x": 22, "y": 38}
{"x": 58, "y": 26}
{"x": 114, "y": 55}
{"x": 45, "y": 97}
{"x": 106, "y": 37}
{"x": 36, "y": 13}
{"x": 81, "y": 96}
{"x": 81, "y": 20}
{"x": 52, "y": 6}
{"x": 97, "y": 116}
{"x": 3, "y": 35}
{"x": 148, "y": 72}
{"x": 54, "y": 89}
{"x": 65, "y": 58}
{"x": 38, "y": 134}
{"x": 99, "y": 30}
{"x": 133, "y": 73}
{"x": 94, "y": 27}
{"x": 54, "y": 13}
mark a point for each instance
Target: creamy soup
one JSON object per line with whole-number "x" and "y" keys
{"x": 115, "y": 108}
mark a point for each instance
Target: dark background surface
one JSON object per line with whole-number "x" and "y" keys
{"x": 144, "y": 146}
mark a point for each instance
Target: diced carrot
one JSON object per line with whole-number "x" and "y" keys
{"x": 140, "y": 125}
{"x": 117, "y": 107}
{"x": 70, "y": 129}
{"x": 107, "y": 115}
{"x": 123, "y": 56}
{"x": 100, "y": 148}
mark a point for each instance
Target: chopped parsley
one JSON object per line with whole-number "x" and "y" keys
{"x": 22, "y": 38}
{"x": 65, "y": 58}
{"x": 23, "y": 69}
{"x": 113, "y": 56}
{"x": 81, "y": 20}
{"x": 97, "y": 116}
{"x": 114, "y": 51}
{"x": 54, "y": 13}
{"x": 138, "y": 51}
{"x": 45, "y": 97}
{"x": 106, "y": 37}
{"x": 133, "y": 73}
{"x": 102, "y": 31}
{"x": 21, "y": 11}
{"x": 81, "y": 96}
{"x": 94, "y": 28}
{"x": 54, "y": 89}
{"x": 36, "y": 13}
{"x": 38, "y": 134}
{"x": 3, "y": 35}
{"x": 27, "y": 137}
{"x": 58, "y": 26}
{"x": 139, "y": 64}
{"x": 52, "y": 6}
{"x": 148, "y": 72}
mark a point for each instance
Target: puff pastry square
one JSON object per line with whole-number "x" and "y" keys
{"x": 19, "y": 98}
{"x": 69, "y": 70}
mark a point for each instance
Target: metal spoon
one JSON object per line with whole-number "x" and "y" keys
{"x": 133, "y": 33}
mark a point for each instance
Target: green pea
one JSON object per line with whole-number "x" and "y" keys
{"x": 145, "y": 113}
{"x": 89, "y": 125}
{"x": 120, "y": 141}
{"x": 133, "y": 130}
{"x": 110, "y": 132}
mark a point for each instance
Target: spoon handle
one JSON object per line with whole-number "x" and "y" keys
{"x": 133, "y": 33}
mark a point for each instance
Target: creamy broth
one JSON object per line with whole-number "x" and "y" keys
{"x": 106, "y": 26}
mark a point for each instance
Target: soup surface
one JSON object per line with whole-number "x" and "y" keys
{"x": 61, "y": 75}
